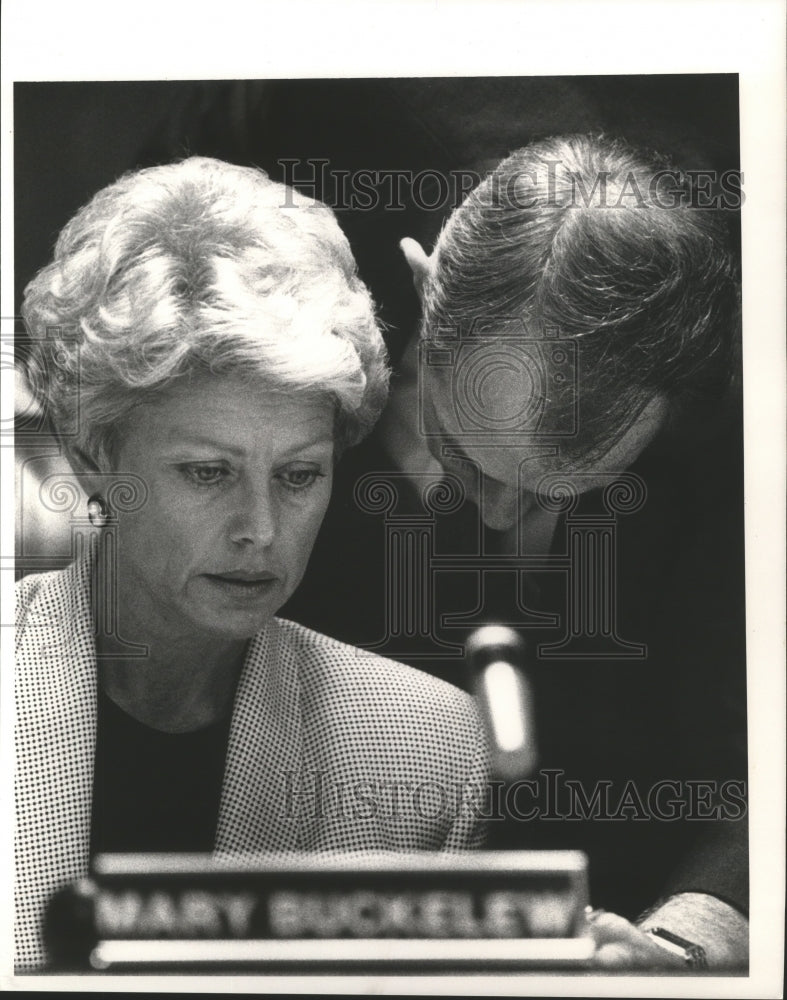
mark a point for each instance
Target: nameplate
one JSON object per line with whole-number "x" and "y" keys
{"x": 511, "y": 909}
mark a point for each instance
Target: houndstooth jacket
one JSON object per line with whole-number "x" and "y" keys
{"x": 330, "y": 748}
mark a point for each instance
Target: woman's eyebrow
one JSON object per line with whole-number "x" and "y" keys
{"x": 200, "y": 441}
{"x": 315, "y": 442}
{"x": 213, "y": 444}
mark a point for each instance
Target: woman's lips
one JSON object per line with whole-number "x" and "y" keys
{"x": 243, "y": 584}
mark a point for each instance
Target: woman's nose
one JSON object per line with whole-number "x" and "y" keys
{"x": 254, "y": 520}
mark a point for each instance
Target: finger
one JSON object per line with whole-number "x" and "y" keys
{"x": 628, "y": 955}
{"x": 616, "y": 956}
{"x": 621, "y": 945}
{"x": 608, "y": 928}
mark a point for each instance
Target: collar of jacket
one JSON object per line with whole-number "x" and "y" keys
{"x": 56, "y": 684}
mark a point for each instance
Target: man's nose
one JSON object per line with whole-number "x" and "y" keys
{"x": 499, "y": 504}
{"x": 255, "y": 517}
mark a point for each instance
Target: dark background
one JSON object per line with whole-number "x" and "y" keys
{"x": 71, "y": 139}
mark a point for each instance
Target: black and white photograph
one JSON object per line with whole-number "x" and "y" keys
{"x": 396, "y": 450}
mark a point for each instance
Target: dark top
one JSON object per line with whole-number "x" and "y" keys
{"x": 155, "y": 791}
{"x": 660, "y": 739}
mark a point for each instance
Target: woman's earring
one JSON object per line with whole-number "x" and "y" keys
{"x": 97, "y": 510}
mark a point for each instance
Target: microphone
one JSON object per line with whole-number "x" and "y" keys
{"x": 494, "y": 657}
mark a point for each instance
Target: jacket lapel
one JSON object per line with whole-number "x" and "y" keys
{"x": 265, "y": 751}
{"x": 55, "y": 739}
{"x": 56, "y": 682}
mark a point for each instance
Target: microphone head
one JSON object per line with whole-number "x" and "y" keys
{"x": 495, "y": 657}
{"x": 492, "y": 642}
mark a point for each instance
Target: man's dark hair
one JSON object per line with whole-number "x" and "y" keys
{"x": 584, "y": 238}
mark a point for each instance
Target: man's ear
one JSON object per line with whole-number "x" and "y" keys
{"x": 419, "y": 263}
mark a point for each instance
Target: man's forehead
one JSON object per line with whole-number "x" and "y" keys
{"x": 485, "y": 399}
{"x": 500, "y": 455}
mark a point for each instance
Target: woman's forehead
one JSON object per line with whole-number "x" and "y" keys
{"x": 232, "y": 413}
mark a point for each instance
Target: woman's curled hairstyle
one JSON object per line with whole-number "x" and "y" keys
{"x": 200, "y": 267}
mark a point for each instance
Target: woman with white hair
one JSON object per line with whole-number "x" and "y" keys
{"x": 204, "y": 350}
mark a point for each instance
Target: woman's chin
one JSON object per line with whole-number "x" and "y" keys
{"x": 233, "y": 612}
{"x": 242, "y": 625}
{"x": 231, "y": 624}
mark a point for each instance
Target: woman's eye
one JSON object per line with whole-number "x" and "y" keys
{"x": 205, "y": 475}
{"x": 300, "y": 479}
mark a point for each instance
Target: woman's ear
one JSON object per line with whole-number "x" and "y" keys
{"x": 419, "y": 263}
{"x": 78, "y": 459}
{"x": 92, "y": 479}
